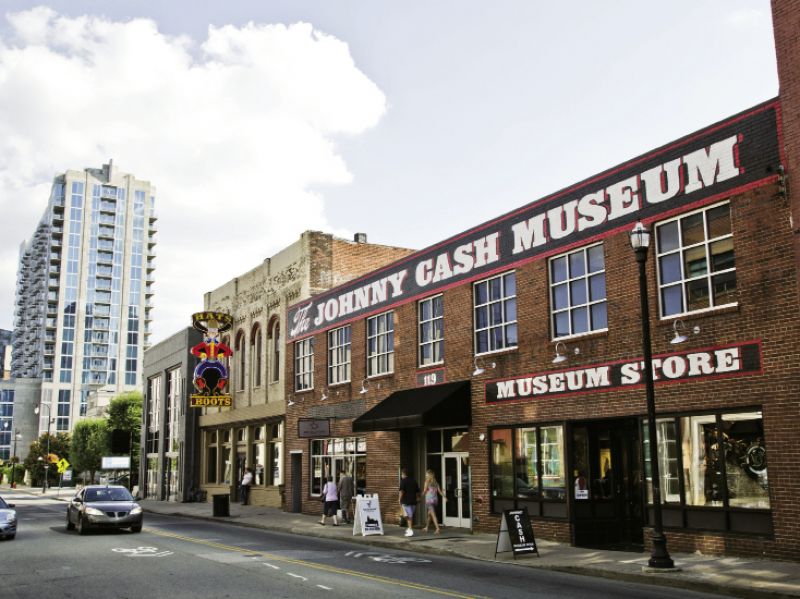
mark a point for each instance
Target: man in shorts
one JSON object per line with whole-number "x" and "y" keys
{"x": 409, "y": 495}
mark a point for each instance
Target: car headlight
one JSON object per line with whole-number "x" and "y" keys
{"x": 93, "y": 511}
{"x": 136, "y": 510}
{"x": 11, "y": 517}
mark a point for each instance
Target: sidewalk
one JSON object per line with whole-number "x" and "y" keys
{"x": 739, "y": 577}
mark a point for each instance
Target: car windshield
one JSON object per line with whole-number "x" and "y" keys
{"x": 3, "y": 504}
{"x": 108, "y": 494}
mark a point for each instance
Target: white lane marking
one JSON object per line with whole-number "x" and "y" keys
{"x": 271, "y": 566}
{"x": 141, "y": 551}
{"x": 303, "y": 578}
{"x": 322, "y": 586}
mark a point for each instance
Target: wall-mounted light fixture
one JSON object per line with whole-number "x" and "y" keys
{"x": 561, "y": 352}
{"x": 680, "y": 328}
{"x": 480, "y": 367}
{"x": 291, "y": 402}
{"x": 324, "y": 396}
{"x": 365, "y": 385}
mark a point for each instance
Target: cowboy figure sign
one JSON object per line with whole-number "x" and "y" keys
{"x": 210, "y": 375}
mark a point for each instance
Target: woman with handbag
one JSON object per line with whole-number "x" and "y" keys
{"x": 431, "y": 491}
{"x": 330, "y": 496}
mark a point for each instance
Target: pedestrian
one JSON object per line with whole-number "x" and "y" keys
{"x": 431, "y": 491}
{"x": 409, "y": 495}
{"x": 331, "y": 504}
{"x": 346, "y": 491}
{"x": 247, "y": 482}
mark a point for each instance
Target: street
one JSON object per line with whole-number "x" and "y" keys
{"x": 180, "y": 557}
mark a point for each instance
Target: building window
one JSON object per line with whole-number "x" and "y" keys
{"x": 256, "y": 354}
{"x": 331, "y": 457}
{"x": 495, "y": 302}
{"x": 578, "y": 292}
{"x": 240, "y": 350}
{"x": 716, "y": 460}
{"x": 431, "y": 330}
{"x": 696, "y": 261}
{"x": 380, "y": 344}
{"x": 276, "y": 452}
{"x": 153, "y": 414}
{"x": 304, "y": 364}
{"x": 339, "y": 355}
{"x": 276, "y": 351}
{"x": 528, "y": 470}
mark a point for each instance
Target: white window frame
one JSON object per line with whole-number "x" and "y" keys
{"x": 339, "y": 355}
{"x": 304, "y": 364}
{"x": 568, "y": 283}
{"x": 504, "y": 324}
{"x": 380, "y": 359}
{"x": 430, "y": 325}
{"x": 685, "y": 280}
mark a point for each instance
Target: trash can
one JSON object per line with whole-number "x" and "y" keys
{"x": 222, "y": 505}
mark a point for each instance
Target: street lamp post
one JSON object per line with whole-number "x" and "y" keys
{"x": 659, "y": 557}
{"x": 17, "y": 437}
{"x": 46, "y": 459}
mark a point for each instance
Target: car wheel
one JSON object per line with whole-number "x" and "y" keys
{"x": 136, "y": 528}
{"x": 70, "y": 525}
{"x": 11, "y": 537}
{"x": 82, "y": 528}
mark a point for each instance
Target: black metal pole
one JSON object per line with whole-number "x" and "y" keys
{"x": 659, "y": 557}
{"x": 13, "y": 458}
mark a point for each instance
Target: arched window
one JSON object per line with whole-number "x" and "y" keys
{"x": 240, "y": 350}
{"x": 256, "y": 353}
{"x": 226, "y": 341}
{"x": 275, "y": 347}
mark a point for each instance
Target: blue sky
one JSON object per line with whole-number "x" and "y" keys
{"x": 410, "y": 121}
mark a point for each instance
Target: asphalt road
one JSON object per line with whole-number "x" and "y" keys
{"x": 177, "y": 558}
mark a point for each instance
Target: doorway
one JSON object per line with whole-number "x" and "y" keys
{"x": 607, "y": 484}
{"x": 456, "y": 489}
{"x": 297, "y": 482}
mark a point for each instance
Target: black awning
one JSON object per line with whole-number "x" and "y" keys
{"x": 439, "y": 405}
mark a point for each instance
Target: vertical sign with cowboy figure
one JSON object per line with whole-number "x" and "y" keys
{"x": 210, "y": 375}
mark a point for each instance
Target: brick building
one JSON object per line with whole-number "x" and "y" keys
{"x": 508, "y": 359}
{"x": 251, "y": 433}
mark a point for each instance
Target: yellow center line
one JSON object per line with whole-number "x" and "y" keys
{"x": 322, "y": 567}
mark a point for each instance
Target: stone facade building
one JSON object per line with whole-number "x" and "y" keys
{"x": 252, "y": 433}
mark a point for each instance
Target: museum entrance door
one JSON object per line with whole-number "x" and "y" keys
{"x": 607, "y": 484}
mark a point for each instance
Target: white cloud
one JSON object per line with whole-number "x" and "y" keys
{"x": 236, "y": 133}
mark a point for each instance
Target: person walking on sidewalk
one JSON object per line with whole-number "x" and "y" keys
{"x": 247, "y": 482}
{"x": 331, "y": 504}
{"x": 346, "y": 491}
{"x": 409, "y": 494}
{"x": 431, "y": 491}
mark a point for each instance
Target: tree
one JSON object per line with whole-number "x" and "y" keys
{"x": 59, "y": 446}
{"x": 90, "y": 442}
{"x": 125, "y": 413}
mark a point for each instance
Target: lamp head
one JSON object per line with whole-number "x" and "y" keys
{"x": 640, "y": 237}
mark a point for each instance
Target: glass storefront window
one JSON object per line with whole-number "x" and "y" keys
{"x": 502, "y": 464}
{"x": 528, "y": 466}
{"x": 552, "y": 444}
{"x": 526, "y": 479}
{"x": 745, "y": 457}
{"x": 701, "y": 472}
{"x": 668, "y": 468}
{"x": 331, "y": 457}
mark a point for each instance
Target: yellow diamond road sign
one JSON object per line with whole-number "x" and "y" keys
{"x": 62, "y": 465}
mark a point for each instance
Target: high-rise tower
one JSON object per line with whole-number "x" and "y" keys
{"x": 84, "y": 292}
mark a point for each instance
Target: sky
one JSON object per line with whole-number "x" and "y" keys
{"x": 409, "y": 121}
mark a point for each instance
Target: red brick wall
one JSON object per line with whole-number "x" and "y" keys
{"x": 767, "y": 310}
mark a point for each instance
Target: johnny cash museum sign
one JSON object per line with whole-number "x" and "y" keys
{"x": 718, "y": 362}
{"x": 708, "y": 165}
